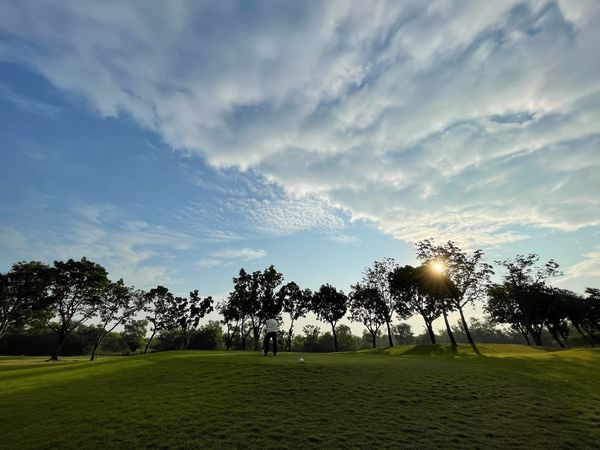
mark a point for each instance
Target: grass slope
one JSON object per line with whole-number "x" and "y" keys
{"x": 427, "y": 396}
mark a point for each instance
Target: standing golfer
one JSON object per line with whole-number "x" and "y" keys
{"x": 272, "y": 327}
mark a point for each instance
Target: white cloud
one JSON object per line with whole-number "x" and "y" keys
{"x": 231, "y": 255}
{"x": 587, "y": 268}
{"x": 398, "y": 112}
{"x": 130, "y": 249}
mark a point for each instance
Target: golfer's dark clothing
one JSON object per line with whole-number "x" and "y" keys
{"x": 268, "y": 337}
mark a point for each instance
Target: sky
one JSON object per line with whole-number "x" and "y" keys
{"x": 176, "y": 142}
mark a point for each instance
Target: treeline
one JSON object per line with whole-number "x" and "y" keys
{"x": 40, "y": 300}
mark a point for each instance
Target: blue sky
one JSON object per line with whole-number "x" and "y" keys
{"x": 175, "y": 142}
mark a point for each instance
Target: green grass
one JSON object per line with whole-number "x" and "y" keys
{"x": 426, "y": 396}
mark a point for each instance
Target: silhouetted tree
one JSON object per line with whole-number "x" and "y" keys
{"x": 161, "y": 311}
{"x": 377, "y": 277}
{"x": 23, "y": 294}
{"x": 502, "y": 308}
{"x": 231, "y": 320}
{"x": 330, "y": 305}
{"x": 189, "y": 311}
{"x": 413, "y": 292}
{"x": 296, "y": 303}
{"x": 525, "y": 288}
{"x": 468, "y": 274}
{"x": 367, "y": 307}
{"x": 75, "y": 292}
{"x": 117, "y": 304}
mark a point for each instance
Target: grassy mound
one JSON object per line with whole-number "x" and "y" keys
{"x": 511, "y": 397}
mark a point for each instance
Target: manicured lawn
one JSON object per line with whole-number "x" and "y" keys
{"x": 511, "y": 397}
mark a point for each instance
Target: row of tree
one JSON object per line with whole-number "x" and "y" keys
{"x": 64, "y": 296}
{"x": 447, "y": 280}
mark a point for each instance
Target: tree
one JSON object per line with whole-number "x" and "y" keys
{"x": 231, "y": 320}
{"x": 244, "y": 300}
{"x": 161, "y": 311}
{"x": 593, "y": 309}
{"x": 402, "y": 333}
{"x": 524, "y": 288}
{"x": 413, "y": 293}
{"x": 468, "y": 274}
{"x": 367, "y": 307}
{"x": 134, "y": 333}
{"x": 502, "y": 308}
{"x": 75, "y": 291}
{"x": 330, "y": 305}
{"x": 377, "y": 277}
{"x": 295, "y": 303}
{"x": 118, "y": 304}
{"x": 23, "y": 294}
{"x": 189, "y": 311}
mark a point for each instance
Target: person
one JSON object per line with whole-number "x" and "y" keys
{"x": 272, "y": 327}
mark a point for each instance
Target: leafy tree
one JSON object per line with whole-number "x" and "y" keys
{"x": 377, "y": 277}
{"x": 593, "y": 309}
{"x": 310, "y": 339}
{"x": 118, "y": 304}
{"x": 502, "y": 308}
{"x": 255, "y": 299}
{"x": 75, "y": 291}
{"x": 231, "y": 320}
{"x": 413, "y": 292}
{"x": 189, "y": 311}
{"x": 402, "y": 333}
{"x": 23, "y": 294}
{"x": 468, "y": 274}
{"x": 525, "y": 288}
{"x": 367, "y": 307}
{"x": 244, "y": 300}
{"x": 330, "y": 305}
{"x": 295, "y": 303}
{"x": 134, "y": 333}
{"x": 207, "y": 337}
{"x": 346, "y": 340}
{"x": 161, "y": 308}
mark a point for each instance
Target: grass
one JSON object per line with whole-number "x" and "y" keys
{"x": 426, "y": 396}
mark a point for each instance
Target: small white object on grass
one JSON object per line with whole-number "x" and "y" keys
{"x": 301, "y": 360}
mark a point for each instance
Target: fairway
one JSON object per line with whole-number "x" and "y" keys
{"x": 511, "y": 397}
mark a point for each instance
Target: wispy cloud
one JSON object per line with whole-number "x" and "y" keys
{"x": 230, "y": 256}
{"x": 587, "y": 268}
{"x": 458, "y": 119}
{"x": 27, "y": 104}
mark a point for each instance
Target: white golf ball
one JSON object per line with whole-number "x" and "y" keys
{"x": 301, "y": 360}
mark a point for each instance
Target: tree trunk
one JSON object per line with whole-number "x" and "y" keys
{"x": 554, "y": 334}
{"x": 450, "y": 334}
{"x": 467, "y": 332}
{"x": 526, "y": 336}
{"x": 537, "y": 337}
{"x": 389, "y": 330}
{"x": 96, "y": 345}
{"x": 335, "y": 342}
{"x": 149, "y": 340}
{"x": 290, "y": 334}
{"x": 430, "y": 332}
{"x": 57, "y": 351}
{"x": 374, "y": 335}
{"x": 585, "y": 338}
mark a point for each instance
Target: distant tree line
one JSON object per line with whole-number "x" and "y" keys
{"x": 42, "y": 304}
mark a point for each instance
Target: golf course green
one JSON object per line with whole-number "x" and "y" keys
{"x": 425, "y": 396}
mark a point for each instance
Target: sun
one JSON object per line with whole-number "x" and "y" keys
{"x": 438, "y": 267}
